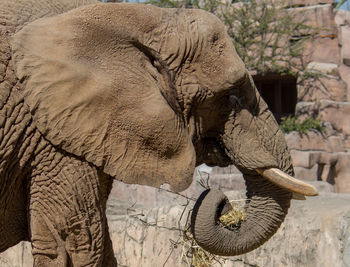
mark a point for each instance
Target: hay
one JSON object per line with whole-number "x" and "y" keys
{"x": 194, "y": 255}
{"x": 233, "y": 218}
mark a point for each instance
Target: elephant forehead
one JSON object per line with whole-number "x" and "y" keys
{"x": 217, "y": 65}
{"x": 221, "y": 71}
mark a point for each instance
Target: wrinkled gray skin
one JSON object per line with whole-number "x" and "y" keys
{"x": 127, "y": 92}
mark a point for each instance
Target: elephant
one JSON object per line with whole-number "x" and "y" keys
{"x": 91, "y": 92}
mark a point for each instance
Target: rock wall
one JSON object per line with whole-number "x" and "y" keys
{"x": 325, "y": 156}
{"x": 316, "y": 232}
{"x": 326, "y": 96}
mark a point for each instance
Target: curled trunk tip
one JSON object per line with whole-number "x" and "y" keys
{"x": 266, "y": 208}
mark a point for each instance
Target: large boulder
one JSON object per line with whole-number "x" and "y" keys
{"x": 322, "y": 48}
{"x": 301, "y": 3}
{"x": 344, "y": 72}
{"x": 328, "y": 87}
{"x": 319, "y": 17}
{"x": 334, "y": 112}
{"x": 314, "y": 140}
{"x": 337, "y": 113}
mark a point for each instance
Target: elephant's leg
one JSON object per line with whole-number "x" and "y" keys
{"x": 109, "y": 259}
{"x": 68, "y": 225}
{"x": 13, "y": 212}
{"x": 48, "y": 248}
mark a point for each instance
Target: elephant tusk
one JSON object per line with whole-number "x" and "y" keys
{"x": 288, "y": 182}
{"x": 298, "y": 196}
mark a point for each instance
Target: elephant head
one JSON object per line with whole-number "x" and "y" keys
{"x": 146, "y": 94}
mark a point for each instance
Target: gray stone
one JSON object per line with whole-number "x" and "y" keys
{"x": 334, "y": 112}
{"x": 342, "y": 17}
{"x": 335, "y": 144}
{"x": 317, "y": 16}
{"x": 225, "y": 170}
{"x": 300, "y": 3}
{"x": 154, "y": 197}
{"x": 316, "y": 232}
{"x": 325, "y": 68}
{"x": 17, "y": 256}
{"x": 307, "y": 174}
{"x": 323, "y": 187}
{"x": 344, "y": 72}
{"x": 305, "y": 109}
{"x": 305, "y": 159}
{"x": 329, "y": 87}
{"x": 347, "y": 143}
{"x": 345, "y": 39}
{"x": 328, "y": 129}
{"x": 337, "y": 113}
{"x": 328, "y": 158}
{"x": 322, "y": 48}
{"x": 326, "y": 49}
{"x": 314, "y": 140}
{"x": 342, "y": 169}
{"x": 333, "y": 168}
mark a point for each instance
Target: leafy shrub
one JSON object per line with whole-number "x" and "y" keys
{"x": 291, "y": 123}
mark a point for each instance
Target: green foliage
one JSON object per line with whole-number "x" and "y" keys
{"x": 265, "y": 33}
{"x": 267, "y": 36}
{"x": 290, "y": 124}
{"x": 340, "y": 3}
{"x": 208, "y": 5}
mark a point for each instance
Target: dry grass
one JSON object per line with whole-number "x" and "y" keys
{"x": 194, "y": 255}
{"x": 233, "y": 218}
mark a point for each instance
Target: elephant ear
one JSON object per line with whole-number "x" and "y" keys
{"x": 95, "y": 90}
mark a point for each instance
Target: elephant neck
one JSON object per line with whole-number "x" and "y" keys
{"x": 16, "y": 132}
{"x": 17, "y": 143}
{"x": 22, "y": 146}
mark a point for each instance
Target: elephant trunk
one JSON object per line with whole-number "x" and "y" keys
{"x": 266, "y": 207}
{"x": 254, "y": 143}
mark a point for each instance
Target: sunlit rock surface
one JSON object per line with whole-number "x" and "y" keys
{"x": 316, "y": 232}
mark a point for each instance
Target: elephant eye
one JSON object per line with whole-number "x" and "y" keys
{"x": 233, "y": 98}
{"x": 235, "y": 101}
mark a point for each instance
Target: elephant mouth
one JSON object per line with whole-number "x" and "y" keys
{"x": 215, "y": 156}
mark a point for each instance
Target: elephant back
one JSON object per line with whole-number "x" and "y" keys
{"x": 14, "y": 15}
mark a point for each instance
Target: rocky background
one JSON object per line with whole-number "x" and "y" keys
{"x": 326, "y": 156}
{"x": 316, "y": 232}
